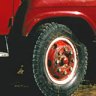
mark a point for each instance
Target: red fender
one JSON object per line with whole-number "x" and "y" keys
{"x": 33, "y": 16}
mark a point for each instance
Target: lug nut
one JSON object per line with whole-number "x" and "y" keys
{"x": 70, "y": 52}
{"x": 59, "y": 70}
{"x": 71, "y": 68}
{"x": 57, "y": 61}
{"x": 65, "y": 73}
{"x": 65, "y": 49}
{"x": 66, "y": 65}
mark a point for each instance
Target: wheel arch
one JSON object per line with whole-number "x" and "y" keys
{"x": 33, "y": 20}
{"x": 80, "y": 27}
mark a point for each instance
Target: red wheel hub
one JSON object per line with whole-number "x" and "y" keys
{"x": 60, "y": 60}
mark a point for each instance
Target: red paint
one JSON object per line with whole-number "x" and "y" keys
{"x": 8, "y": 8}
{"x": 39, "y": 10}
{"x": 61, "y": 3}
{"x": 5, "y": 15}
{"x": 16, "y": 5}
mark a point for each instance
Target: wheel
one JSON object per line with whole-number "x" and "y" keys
{"x": 59, "y": 60}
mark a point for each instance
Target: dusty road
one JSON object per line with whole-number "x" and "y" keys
{"x": 85, "y": 90}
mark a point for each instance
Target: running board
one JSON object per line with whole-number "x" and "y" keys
{"x": 94, "y": 41}
{"x": 4, "y": 50}
{"x": 4, "y": 54}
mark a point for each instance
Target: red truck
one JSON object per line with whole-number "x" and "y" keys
{"x": 62, "y": 36}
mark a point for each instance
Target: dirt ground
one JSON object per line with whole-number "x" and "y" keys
{"x": 85, "y": 90}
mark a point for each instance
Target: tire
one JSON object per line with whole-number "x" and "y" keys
{"x": 49, "y": 73}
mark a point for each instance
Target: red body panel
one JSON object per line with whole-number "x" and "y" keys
{"x": 33, "y": 16}
{"x": 16, "y": 5}
{"x": 5, "y": 15}
{"x": 8, "y": 8}
{"x": 61, "y": 3}
{"x": 43, "y": 9}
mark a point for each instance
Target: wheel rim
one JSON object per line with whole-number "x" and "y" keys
{"x": 61, "y": 60}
